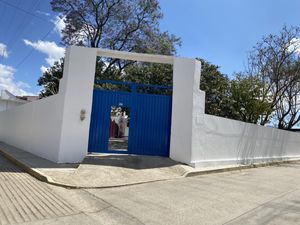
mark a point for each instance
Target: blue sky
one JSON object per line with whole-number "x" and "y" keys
{"x": 219, "y": 31}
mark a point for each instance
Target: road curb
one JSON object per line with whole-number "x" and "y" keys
{"x": 239, "y": 167}
{"x": 47, "y": 179}
{"x": 34, "y": 172}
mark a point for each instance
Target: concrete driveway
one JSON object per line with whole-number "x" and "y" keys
{"x": 269, "y": 195}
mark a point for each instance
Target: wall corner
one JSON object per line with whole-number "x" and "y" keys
{"x": 186, "y": 82}
{"x": 76, "y": 90}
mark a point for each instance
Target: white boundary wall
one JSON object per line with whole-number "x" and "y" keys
{"x": 51, "y": 127}
{"x": 34, "y": 127}
{"x": 219, "y": 141}
{"x": 203, "y": 140}
{"x": 6, "y": 104}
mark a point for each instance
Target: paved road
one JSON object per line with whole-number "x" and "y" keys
{"x": 25, "y": 200}
{"x": 268, "y": 195}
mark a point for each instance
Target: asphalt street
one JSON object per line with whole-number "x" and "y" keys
{"x": 268, "y": 195}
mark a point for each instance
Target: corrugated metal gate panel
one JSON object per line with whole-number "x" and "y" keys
{"x": 150, "y": 122}
{"x": 152, "y": 125}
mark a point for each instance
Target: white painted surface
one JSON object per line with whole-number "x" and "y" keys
{"x": 8, "y": 100}
{"x": 51, "y": 127}
{"x": 136, "y": 56}
{"x": 203, "y": 140}
{"x": 34, "y": 127}
{"x": 77, "y": 92}
{"x": 6, "y": 104}
{"x": 186, "y": 98}
{"x": 220, "y": 141}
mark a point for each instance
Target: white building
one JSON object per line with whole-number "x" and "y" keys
{"x": 8, "y": 100}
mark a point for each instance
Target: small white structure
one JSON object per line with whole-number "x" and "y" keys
{"x": 8, "y": 100}
{"x": 53, "y": 127}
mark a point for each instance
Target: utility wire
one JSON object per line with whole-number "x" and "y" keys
{"x": 10, "y": 22}
{"x": 22, "y": 26}
{"x": 43, "y": 38}
{"x": 22, "y": 10}
{"x": 32, "y": 14}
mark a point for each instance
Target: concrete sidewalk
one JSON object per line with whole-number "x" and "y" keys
{"x": 97, "y": 171}
{"x": 104, "y": 171}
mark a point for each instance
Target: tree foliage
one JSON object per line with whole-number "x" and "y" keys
{"x": 267, "y": 92}
{"x": 237, "y": 99}
{"x": 275, "y": 60}
{"x": 126, "y": 25}
{"x": 217, "y": 89}
{"x": 245, "y": 99}
{"x": 50, "y": 79}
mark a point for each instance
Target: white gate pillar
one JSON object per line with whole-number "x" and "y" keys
{"x": 76, "y": 91}
{"x": 187, "y": 107}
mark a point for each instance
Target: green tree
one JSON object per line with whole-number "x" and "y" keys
{"x": 246, "y": 99}
{"x": 217, "y": 90}
{"x": 126, "y": 25}
{"x": 50, "y": 79}
{"x": 239, "y": 98}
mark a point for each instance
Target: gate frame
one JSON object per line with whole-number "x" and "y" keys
{"x": 102, "y": 141}
{"x": 76, "y": 88}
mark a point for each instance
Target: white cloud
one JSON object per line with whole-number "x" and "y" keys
{"x": 51, "y": 49}
{"x": 60, "y": 24}
{"x": 3, "y": 50}
{"x": 43, "y": 69}
{"x": 42, "y": 13}
{"x": 295, "y": 45}
{"x": 7, "y": 81}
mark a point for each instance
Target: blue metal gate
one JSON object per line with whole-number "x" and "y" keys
{"x": 150, "y": 119}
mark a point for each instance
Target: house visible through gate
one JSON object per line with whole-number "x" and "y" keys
{"x": 131, "y": 118}
{"x": 119, "y": 128}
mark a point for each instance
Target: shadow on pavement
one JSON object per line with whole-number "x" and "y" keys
{"x": 129, "y": 161}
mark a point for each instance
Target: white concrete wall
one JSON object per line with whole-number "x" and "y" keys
{"x": 77, "y": 92}
{"x": 186, "y": 97}
{"x": 6, "y": 104}
{"x": 203, "y": 140}
{"x": 221, "y": 141}
{"x": 51, "y": 127}
{"x": 34, "y": 127}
